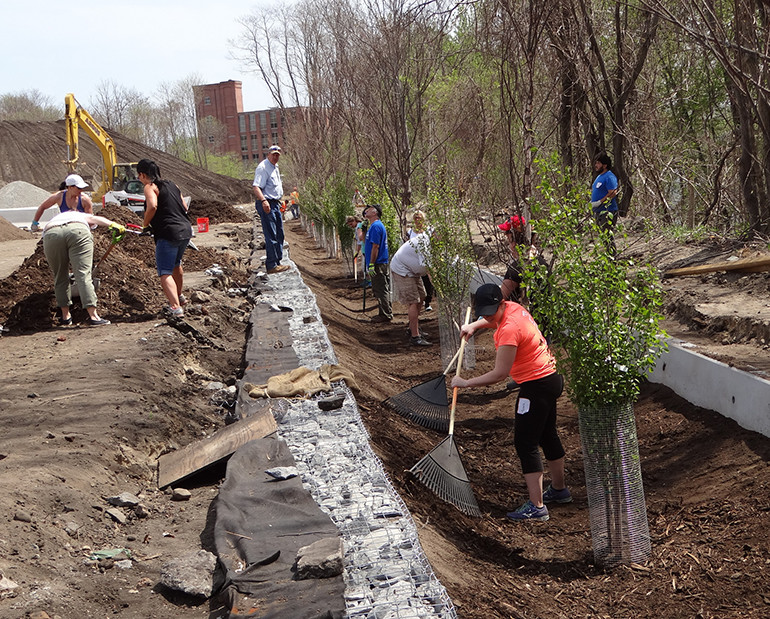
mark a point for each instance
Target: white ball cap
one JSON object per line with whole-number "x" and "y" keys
{"x": 75, "y": 180}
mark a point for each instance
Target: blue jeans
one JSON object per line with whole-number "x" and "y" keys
{"x": 272, "y": 229}
{"x": 168, "y": 255}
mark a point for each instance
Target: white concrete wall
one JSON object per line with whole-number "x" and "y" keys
{"x": 714, "y": 385}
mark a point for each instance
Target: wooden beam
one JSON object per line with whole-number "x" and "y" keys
{"x": 749, "y": 265}
{"x": 197, "y": 456}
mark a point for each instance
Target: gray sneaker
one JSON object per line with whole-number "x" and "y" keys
{"x": 552, "y": 495}
{"x": 420, "y": 341}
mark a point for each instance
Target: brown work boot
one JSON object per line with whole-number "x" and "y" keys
{"x": 279, "y": 268}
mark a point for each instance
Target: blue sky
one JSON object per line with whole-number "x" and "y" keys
{"x": 58, "y": 48}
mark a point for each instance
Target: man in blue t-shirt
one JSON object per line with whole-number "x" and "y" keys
{"x": 603, "y": 192}
{"x": 376, "y": 260}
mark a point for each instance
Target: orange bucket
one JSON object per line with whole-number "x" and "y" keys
{"x": 203, "y": 224}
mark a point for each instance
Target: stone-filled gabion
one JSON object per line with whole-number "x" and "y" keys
{"x": 387, "y": 575}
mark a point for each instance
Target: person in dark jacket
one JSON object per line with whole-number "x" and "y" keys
{"x": 165, "y": 215}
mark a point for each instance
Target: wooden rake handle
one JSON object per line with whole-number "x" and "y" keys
{"x": 460, "y": 352}
{"x": 452, "y": 362}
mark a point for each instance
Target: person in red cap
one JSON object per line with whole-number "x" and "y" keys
{"x": 515, "y": 230}
{"x": 523, "y": 354}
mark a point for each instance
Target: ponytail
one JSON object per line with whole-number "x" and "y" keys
{"x": 150, "y": 168}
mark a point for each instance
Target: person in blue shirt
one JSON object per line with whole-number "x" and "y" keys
{"x": 376, "y": 259}
{"x": 603, "y": 196}
{"x": 268, "y": 191}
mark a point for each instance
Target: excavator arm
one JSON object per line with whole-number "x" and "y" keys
{"x": 77, "y": 117}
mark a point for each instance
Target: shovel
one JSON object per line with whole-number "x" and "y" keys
{"x": 74, "y": 290}
{"x": 442, "y": 470}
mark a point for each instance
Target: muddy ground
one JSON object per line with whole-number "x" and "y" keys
{"x": 86, "y": 412}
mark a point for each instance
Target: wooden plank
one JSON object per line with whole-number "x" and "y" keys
{"x": 751, "y": 265}
{"x": 182, "y": 463}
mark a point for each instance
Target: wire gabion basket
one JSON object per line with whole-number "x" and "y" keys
{"x": 620, "y": 532}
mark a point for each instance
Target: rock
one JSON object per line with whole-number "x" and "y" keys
{"x": 192, "y": 574}
{"x": 283, "y": 472}
{"x": 124, "y": 499}
{"x": 331, "y": 403}
{"x": 22, "y": 517}
{"x": 72, "y": 528}
{"x": 6, "y": 585}
{"x": 180, "y": 494}
{"x": 200, "y": 297}
{"x": 322, "y": 559}
{"x": 117, "y": 515}
{"x": 141, "y": 511}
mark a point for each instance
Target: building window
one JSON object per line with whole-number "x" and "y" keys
{"x": 265, "y": 143}
{"x": 206, "y": 100}
{"x": 254, "y": 142}
{"x": 273, "y": 119}
{"x": 244, "y": 157}
{"x": 244, "y": 143}
{"x": 275, "y": 137}
{"x": 211, "y": 139}
{"x": 242, "y": 123}
{"x": 252, "y": 122}
{"x": 262, "y": 119}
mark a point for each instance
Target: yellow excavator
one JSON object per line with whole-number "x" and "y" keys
{"x": 119, "y": 180}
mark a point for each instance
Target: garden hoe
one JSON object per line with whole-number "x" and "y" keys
{"x": 425, "y": 404}
{"x": 442, "y": 470}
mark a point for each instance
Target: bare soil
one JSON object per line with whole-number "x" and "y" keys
{"x": 86, "y": 412}
{"x": 705, "y": 481}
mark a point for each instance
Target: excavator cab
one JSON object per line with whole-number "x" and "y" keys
{"x": 122, "y": 174}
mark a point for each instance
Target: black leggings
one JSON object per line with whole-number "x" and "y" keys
{"x": 536, "y": 427}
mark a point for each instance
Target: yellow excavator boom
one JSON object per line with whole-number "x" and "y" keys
{"x": 77, "y": 117}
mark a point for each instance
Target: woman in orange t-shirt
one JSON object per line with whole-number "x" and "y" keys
{"x": 522, "y": 354}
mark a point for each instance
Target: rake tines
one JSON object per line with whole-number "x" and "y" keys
{"x": 443, "y": 473}
{"x": 425, "y": 404}
{"x": 442, "y": 470}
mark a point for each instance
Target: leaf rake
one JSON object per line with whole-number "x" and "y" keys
{"x": 442, "y": 470}
{"x": 426, "y": 404}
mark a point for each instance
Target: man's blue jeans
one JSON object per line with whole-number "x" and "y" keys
{"x": 272, "y": 229}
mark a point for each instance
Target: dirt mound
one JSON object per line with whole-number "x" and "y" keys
{"x": 217, "y": 212}
{"x": 9, "y": 232}
{"x": 129, "y": 288}
{"x": 21, "y": 194}
{"x": 35, "y": 152}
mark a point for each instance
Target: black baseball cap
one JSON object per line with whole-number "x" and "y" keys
{"x": 488, "y": 299}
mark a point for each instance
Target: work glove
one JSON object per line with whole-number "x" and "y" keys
{"x": 371, "y": 270}
{"x": 597, "y": 203}
{"x": 120, "y": 228}
{"x": 35, "y": 226}
{"x": 146, "y": 231}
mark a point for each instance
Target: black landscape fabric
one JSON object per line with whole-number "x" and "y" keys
{"x": 261, "y": 523}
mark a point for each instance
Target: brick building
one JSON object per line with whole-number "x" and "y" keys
{"x": 248, "y": 134}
